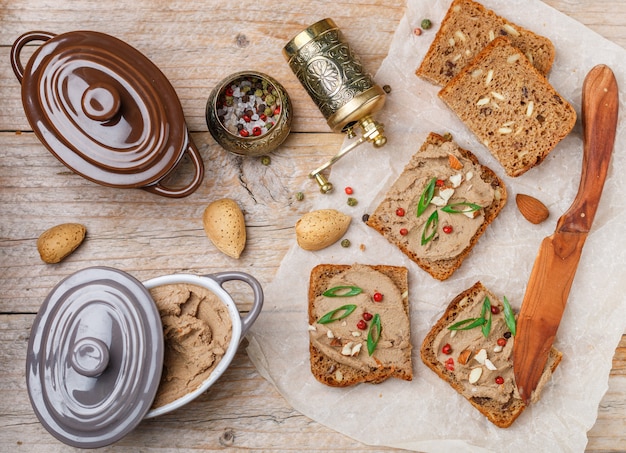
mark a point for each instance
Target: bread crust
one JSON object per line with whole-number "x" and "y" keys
{"x": 325, "y": 369}
{"x": 502, "y": 417}
{"x": 444, "y": 268}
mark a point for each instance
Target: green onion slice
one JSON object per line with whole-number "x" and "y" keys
{"x": 430, "y": 228}
{"x": 467, "y": 324}
{"x": 486, "y": 328}
{"x": 509, "y": 317}
{"x": 373, "y": 334}
{"x": 461, "y": 208}
{"x": 337, "y": 314}
{"x": 342, "y": 291}
{"x": 426, "y": 197}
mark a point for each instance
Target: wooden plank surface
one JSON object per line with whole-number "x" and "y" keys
{"x": 196, "y": 44}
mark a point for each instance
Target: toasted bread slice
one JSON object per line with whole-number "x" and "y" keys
{"x": 466, "y": 29}
{"x": 510, "y": 107}
{"x": 445, "y": 252}
{"x": 392, "y": 356}
{"x": 494, "y": 394}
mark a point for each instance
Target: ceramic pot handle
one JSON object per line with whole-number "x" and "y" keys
{"x": 196, "y": 159}
{"x": 257, "y": 305}
{"x": 19, "y": 43}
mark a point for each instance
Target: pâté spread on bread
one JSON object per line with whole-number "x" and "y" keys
{"x": 359, "y": 328}
{"x": 439, "y": 206}
{"x": 471, "y": 347}
{"x": 197, "y": 330}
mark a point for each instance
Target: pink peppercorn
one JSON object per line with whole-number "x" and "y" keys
{"x": 256, "y": 130}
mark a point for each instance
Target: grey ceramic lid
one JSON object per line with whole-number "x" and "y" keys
{"x": 95, "y": 357}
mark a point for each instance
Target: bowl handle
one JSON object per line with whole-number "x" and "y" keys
{"x": 257, "y": 305}
{"x": 190, "y": 188}
{"x": 19, "y": 43}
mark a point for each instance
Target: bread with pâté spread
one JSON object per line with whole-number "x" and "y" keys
{"x": 439, "y": 206}
{"x": 478, "y": 362}
{"x": 466, "y": 29}
{"x": 359, "y": 326}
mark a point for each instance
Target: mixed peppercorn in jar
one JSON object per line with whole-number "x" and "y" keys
{"x": 249, "y": 107}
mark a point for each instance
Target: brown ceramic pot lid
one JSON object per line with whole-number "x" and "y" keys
{"x": 101, "y": 107}
{"x": 94, "y": 358}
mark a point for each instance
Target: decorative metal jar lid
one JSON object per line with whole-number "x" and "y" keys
{"x": 104, "y": 109}
{"x": 94, "y": 357}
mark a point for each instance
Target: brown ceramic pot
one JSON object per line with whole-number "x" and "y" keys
{"x": 105, "y": 111}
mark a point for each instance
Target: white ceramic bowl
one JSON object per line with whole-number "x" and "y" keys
{"x": 240, "y": 325}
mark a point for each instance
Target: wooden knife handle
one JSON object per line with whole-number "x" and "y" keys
{"x": 600, "y": 103}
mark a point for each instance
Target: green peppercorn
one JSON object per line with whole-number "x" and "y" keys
{"x": 299, "y": 196}
{"x": 265, "y": 160}
{"x": 426, "y": 24}
{"x": 352, "y": 201}
{"x": 447, "y": 136}
{"x": 270, "y": 99}
{"x": 345, "y": 243}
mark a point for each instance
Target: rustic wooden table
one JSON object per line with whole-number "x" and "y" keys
{"x": 196, "y": 44}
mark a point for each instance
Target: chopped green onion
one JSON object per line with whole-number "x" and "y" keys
{"x": 483, "y": 322}
{"x": 373, "y": 334}
{"x": 509, "y": 317}
{"x": 330, "y": 316}
{"x": 340, "y": 291}
{"x": 467, "y": 324}
{"x": 461, "y": 208}
{"x": 431, "y": 225}
{"x": 426, "y": 197}
{"x": 486, "y": 328}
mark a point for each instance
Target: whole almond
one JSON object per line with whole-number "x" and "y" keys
{"x": 58, "y": 242}
{"x": 224, "y": 224}
{"x": 532, "y": 209}
{"x": 316, "y": 230}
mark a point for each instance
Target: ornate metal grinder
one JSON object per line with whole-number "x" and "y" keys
{"x": 334, "y": 78}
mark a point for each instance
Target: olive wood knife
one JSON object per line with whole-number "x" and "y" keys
{"x": 555, "y": 265}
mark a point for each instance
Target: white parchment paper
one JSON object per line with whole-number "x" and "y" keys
{"x": 426, "y": 414}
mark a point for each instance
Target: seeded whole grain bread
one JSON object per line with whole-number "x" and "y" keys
{"x": 334, "y": 374}
{"x": 510, "y": 107}
{"x": 466, "y": 29}
{"x": 501, "y": 415}
{"x": 440, "y": 269}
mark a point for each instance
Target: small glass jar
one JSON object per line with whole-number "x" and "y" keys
{"x": 249, "y": 113}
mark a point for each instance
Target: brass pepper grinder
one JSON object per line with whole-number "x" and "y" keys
{"x": 334, "y": 78}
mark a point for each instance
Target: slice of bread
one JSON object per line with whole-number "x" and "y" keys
{"x": 466, "y": 29}
{"x": 392, "y": 356}
{"x": 510, "y": 107}
{"x": 442, "y": 255}
{"x": 497, "y": 399}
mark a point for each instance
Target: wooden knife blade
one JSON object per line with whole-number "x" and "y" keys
{"x": 555, "y": 266}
